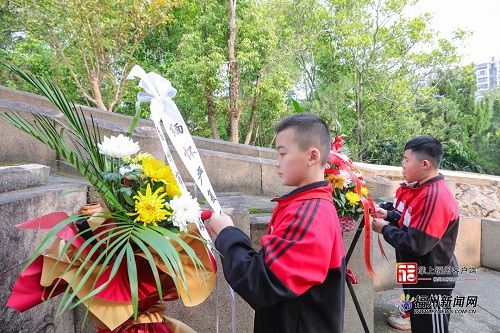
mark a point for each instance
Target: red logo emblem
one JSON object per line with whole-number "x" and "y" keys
{"x": 406, "y": 272}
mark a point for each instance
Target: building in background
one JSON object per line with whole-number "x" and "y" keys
{"x": 428, "y": 80}
{"x": 487, "y": 76}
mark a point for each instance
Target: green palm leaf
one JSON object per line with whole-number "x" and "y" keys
{"x": 104, "y": 259}
{"x": 51, "y": 131}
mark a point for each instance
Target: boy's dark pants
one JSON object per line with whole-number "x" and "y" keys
{"x": 435, "y": 317}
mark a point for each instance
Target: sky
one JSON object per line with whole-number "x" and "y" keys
{"x": 482, "y": 17}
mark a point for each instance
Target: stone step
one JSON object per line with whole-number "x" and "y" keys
{"x": 58, "y": 194}
{"x": 17, "y": 177}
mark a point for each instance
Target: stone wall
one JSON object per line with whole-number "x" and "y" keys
{"x": 232, "y": 167}
{"x": 478, "y": 195}
{"x": 479, "y": 200}
{"x": 18, "y": 245}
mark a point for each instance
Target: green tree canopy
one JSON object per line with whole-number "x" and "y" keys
{"x": 384, "y": 76}
{"x": 95, "y": 41}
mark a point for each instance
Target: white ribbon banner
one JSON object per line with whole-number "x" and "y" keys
{"x": 160, "y": 92}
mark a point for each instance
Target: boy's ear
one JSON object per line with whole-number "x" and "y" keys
{"x": 314, "y": 156}
{"x": 426, "y": 164}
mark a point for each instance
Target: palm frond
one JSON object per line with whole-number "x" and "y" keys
{"x": 87, "y": 265}
{"x": 143, "y": 246}
{"x": 132, "y": 276}
{"x": 86, "y": 135}
{"x": 44, "y": 130}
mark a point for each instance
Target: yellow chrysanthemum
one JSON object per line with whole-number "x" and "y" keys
{"x": 154, "y": 169}
{"x": 171, "y": 184}
{"x": 158, "y": 171}
{"x": 352, "y": 197}
{"x": 150, "y": 207}
{"x": 336, "y": 181}
{"x": 364, "y": 190}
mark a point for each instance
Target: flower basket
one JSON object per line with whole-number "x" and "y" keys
{"x": 350, "y": 193}
{"x": 349, "y": 186}
{"x": 146, "y": 245}
{"x": 111, "y": 310}
{"x": 346, "y": 223}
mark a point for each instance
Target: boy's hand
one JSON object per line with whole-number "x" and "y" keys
{"x": 379, "y": 212}
{"x": 378, "y": 224}
{"x": 219, "y": 222}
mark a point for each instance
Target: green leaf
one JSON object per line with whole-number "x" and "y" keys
{"x": 132, "y": 275}
{"x": 297, "y": 107}
{"x": 110, "y": 176}
{"x": 151, "y": 262}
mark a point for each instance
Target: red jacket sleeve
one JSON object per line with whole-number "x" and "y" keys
{"x": 305, "y": 244}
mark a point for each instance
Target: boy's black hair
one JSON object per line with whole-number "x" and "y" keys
{"x": 310, "y": 131}
{"x": 428, "y": 148}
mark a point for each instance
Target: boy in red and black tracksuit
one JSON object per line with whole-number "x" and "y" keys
{"x": 426, "y": 232}
{"x": 296, "y": 282}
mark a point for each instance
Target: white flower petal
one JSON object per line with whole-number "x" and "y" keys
{"x": 128, "y": 168}
{"x": 118, "y": 146}
{"x": 185, "y": 210}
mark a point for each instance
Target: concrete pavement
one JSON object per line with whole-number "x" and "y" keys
{"x": 486, "y": 319}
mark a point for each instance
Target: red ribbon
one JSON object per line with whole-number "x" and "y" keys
{"x": 367, "y": 205}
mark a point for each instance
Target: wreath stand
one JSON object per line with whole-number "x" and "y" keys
{"x": 349, "y": 284}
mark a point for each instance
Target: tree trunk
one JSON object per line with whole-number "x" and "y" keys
{"x": 212, "y": 120}
{"x": 250, "y": 128}
{"x": 96, "y": 89}
{"x": 252, "y": 112}
{"x": 359, "y": 139}
{"x": 359, "y": 112}
{"x": 233, "y": 75}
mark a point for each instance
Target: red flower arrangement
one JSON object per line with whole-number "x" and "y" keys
{"x": 349, "y": 187}
{"x": 350, "y": 193}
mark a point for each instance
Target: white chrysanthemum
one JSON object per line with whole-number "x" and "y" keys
{"x": 128, "y": 168}
{"x": 347, "y": 178}
{"x": 118, "y": 146}
{"x": 185, "y": 210}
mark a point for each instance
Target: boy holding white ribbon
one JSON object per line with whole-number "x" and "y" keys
{"x": 296, "y": 282}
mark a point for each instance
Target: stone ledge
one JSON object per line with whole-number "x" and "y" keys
{"x": 16, "y": 177}
{"x": 490, "y": 233}
{"x": 468, "y": 247}
{"x": 23, "y": 96}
